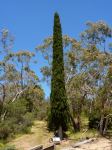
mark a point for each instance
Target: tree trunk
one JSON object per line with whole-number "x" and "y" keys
{"x": 22, "y": 84}
{"x": 78, "y": 122}
{"x": 105, "y": 126}
{"x": 73, "y": 123}
{"x": 101, "y": 124}
{"x": 60, "y": 132}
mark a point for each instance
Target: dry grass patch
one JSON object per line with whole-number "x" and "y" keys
{"x": 39, "y": 135}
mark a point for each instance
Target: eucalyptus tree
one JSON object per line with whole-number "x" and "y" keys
{"x": 96, "y": 34}
{"x": 16, "y": 74}
{"x": 6, "y": 69}
{"x": 100, "y": 58}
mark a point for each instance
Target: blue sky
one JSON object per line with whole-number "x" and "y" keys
{"x": 30, "y": 21}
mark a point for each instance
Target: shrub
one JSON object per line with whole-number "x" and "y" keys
{"x": 94, "y": 119}
{"x": 5, "y": 130}
{"x": 1, "y": 145}
{"x": 27, "y": 122}
{"x": 18, "y": 120}
{"x": 8, "y": 147}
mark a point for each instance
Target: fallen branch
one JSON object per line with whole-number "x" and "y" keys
{"x": 40, "y": 147}
{"x": 83, "y": 142}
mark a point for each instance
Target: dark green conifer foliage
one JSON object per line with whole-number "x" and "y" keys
{"x": 58, "y": 99}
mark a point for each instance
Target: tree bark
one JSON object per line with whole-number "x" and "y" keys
{"x": 105, "y": 126}
{"x": 60, "y": 132}
{"x": 78, "y": 122}
{"x": 101, "y": 124}
{"x": 75, "y": 125}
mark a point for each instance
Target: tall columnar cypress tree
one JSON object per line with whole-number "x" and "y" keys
{"x": 58, "y": 99}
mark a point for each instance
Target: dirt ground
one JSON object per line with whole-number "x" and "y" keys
{"x": 98, "y": 144}
{"x": 40, "y": 136}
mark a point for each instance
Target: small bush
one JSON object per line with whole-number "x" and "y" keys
{"x": 94, "y": 119}
{"x": 1, "y": 145}
{"x": 5, "y": 131}
{"x": 27, "y": 122}
{"x": 8, "y": 148}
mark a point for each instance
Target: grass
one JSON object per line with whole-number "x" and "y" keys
{"x": 39, "y": 135}
{"x": 84, "y": 132}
